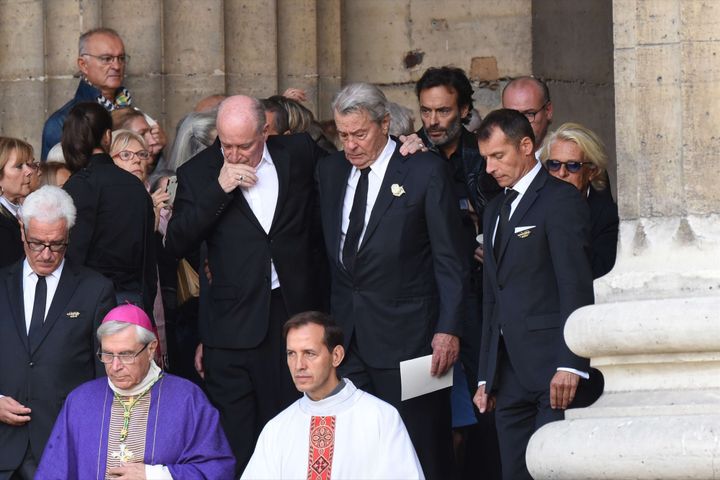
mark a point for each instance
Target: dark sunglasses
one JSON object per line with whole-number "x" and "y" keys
{"x": 572, "y": 167}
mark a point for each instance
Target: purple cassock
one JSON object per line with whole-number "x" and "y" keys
{"x": 183, "y": 433}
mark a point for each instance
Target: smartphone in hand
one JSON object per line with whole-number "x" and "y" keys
{"x": 171, "y": 189}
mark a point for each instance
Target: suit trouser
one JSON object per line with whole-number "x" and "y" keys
{"x": 519, "y": 413}
{"x": 24, "y": 471}
{"x": 250, "y": 386}
{"x": 427, "y": 418}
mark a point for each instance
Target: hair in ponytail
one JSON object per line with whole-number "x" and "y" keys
{"x": 83, "y": 132}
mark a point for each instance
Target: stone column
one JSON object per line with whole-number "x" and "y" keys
{"x": 251, "y": 47}
{"x": 65, "y": 20}
{"x": 297, "y": 48}
{"x": 655, "y": 330}
{"x": 21, "y": 70}
{"x": 194, "y": 54}
{"x": 143, "y": 42}
{"x": 329, "y": 48}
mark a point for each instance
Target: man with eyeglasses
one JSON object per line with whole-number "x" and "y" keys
{"x": 138, "y": 423}
{"x": 51, "y": 309}
{"x": 531, "y": 97}
{"x": 102, "y": 61}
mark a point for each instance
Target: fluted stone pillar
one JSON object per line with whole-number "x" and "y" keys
{"x": 655, "y": 330}
{"x": 194, "y": 53}
{"x": 251, "y": 47}
{"x": 329, "y": 47}
{"x": 21, "y": 67}
{"x": 64, "y": 21}
{"x": 297, "y": 47}
{"x": 138, "y": 23}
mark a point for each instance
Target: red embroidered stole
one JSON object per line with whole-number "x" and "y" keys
{"x": 322, "y": 447}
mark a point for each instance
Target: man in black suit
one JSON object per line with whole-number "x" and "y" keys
{"x": 399, "y": 273}
{"x": 47, "y": 331}
{"x": 253, "y": 200}
{"x": 536, "y": 273}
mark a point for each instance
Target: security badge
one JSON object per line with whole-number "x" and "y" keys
{"x": 524, "y": 232}
{"x": 73, "y": 314}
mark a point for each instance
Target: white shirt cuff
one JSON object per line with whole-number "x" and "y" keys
{"x": 157, "y": 472}
{"x": 584, "y": 375}
{"x": 481, "y": 383}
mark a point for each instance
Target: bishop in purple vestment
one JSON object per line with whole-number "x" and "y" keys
{"x": 139, "y": 422}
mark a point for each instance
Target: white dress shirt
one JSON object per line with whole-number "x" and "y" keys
{"x": 30, "y": 280}
{"x": 262, "y": 198}
{"x": 375, "y": 179}
{"x": 521, "y": 187}
{"x": 11, "y": 207}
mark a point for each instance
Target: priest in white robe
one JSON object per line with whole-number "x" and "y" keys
{"x": 335, "y": 431}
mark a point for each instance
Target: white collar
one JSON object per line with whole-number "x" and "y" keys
{"x": 28, "y": 271}
{"x": 523, "y": 184}
{"x": 12, "y": 207}
{"x": 331, "y": 405}
{"x": 379, "y": 166}
{"x": 152, "y": 375}
{"x": 266, "y": 158}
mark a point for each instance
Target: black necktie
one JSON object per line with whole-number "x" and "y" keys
{"x": 38, "y": 311}
{"x": 503, "y": 221}
{"x": 357, "y": 221}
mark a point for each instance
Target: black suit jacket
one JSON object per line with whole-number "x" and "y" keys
{"x": 411, "y": 272}
{"x": 239, "y": 250}
{"x": 542, "y": 275}
{"x": 11, "y": 247}
{"x": 604, "y": 223}
{"x": 65, "y": 357}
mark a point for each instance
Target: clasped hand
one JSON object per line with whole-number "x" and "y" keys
{"x": 233, "y": 175}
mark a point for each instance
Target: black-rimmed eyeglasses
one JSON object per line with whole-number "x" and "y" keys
{"x": 38, "y": 247}
{"x": 530, "y": 114}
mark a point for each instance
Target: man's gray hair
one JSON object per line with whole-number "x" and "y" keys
{"x": 112, "y": 327}
{"x": 82, "y": 43}
{"x": 48, "y": 204}
{"x": 361, "y": 96}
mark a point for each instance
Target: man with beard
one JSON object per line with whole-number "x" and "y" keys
{"x": 445, "y": 97}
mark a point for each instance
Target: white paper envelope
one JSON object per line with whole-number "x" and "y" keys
{"x": 528, "y": 227}
{"x": 415, "y": 378}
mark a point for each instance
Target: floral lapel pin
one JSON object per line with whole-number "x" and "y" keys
{"x": 397, "y": 190}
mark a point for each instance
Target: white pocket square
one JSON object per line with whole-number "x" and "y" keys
{"x": 520, "y": 229}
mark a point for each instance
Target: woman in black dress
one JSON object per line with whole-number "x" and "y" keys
{"x": 113, "y": 233}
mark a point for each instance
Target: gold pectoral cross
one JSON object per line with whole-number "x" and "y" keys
{"x": 124, "y": 455}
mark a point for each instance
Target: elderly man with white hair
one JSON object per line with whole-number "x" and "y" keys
{"x": 394, "y": 238}
{"x": 51, "y": 309}
{"x": 138, "y": 423}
